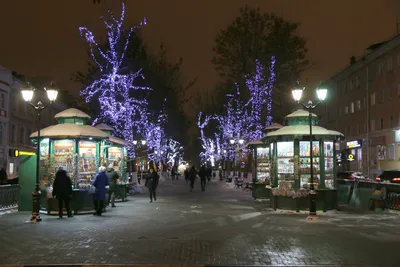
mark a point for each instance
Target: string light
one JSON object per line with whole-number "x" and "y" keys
{"x": 119, "y": 105}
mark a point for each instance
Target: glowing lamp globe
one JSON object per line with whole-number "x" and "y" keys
{"x": 322, "y": 93}
{"x": 297, "y": 93}
{"x": 27, "y": 94}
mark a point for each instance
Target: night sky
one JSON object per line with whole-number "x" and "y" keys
{"x": 41, "y": 38}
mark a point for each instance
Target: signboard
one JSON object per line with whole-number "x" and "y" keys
{"x": 397, "y": 136}
{"x": 350, "y": 157}
{"x": 354, "y": 144}
{"x": 64, "y": 144}
{"x": 87, "y": 145}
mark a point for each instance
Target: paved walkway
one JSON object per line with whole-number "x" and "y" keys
{"x": 221, "y": 226}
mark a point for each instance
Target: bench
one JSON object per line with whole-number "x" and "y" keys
{"x": 238, "y": 183}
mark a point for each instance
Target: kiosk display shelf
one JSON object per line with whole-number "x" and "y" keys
{"x": 87, "y": 163}
{"x": 329, "y": 165}
{"x": 285, "y": 162}
{"x": 263, "y": 165}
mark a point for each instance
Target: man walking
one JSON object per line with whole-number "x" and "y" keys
{"x": 192, "y": 177}
{"x": 203, "y": 178}
{"x": 62, "y": 190}
{"x": 112, "y": 176}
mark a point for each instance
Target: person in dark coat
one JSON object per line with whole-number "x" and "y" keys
{"x": 192, "y": 177}
{"x": 209, "y": 173}
{"x": 62, "y": 190}
{"x": 151, "y": 184}
{"x": 3, "y": 176}
{"x": 112, "y": 176}
{"x": 203, "y": 177}
{"x": 100, "y": 182}
{"x": 186, "y": 172}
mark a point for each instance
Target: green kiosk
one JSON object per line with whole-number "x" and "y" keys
{"x": 290, "y": 164}
{"x": 74, "y": 145}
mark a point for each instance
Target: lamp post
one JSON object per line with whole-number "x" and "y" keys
{"x": 239, "y": 142}
{"x": 321, "y": 94}
{"x": 27, "y": 94}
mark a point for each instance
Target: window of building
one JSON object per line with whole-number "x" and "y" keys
{"x": 389, "y": 64}
{"x": 372, "y": 99}
{"x": 21, "y": 135}
{"x": 1, "y": 133}
{"x": 345, "y": 88}
{"x": 358, "y": 103}
{"x": 382, "y": 93}
{"x": 352, "y": 107}
{"x": 398, "y": 59}
{"x": 13, "y": 133}
{"x": 372, "y": 125}
{"x": 351, "y": 85}
{"x": 391, "y": 121}
{"x": 346, "y": 110}
{"x": 15, "y": 103}
{"x": 357, "y": 81}
{"x": 398, "y": 90}
{"x": 3, "y": 101}
{"x": 380, "y": 69}
{"x": 382, "y": 123}
{"x": 28, "y": 136}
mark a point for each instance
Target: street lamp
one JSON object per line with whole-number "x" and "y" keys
{"x": 322, "y": 93}
{"x": 27, "y": 94}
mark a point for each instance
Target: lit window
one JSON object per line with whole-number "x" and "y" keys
{"x": 358, "y": 104}
{"x": 372, "y": 99}
{"x": 389, "y": 64}
{"x": 352, "y": 107}
{"x": 346, "y": 110}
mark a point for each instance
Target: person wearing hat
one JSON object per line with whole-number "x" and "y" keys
{"x": 62, "y": 190}
{"x": 112, "y": 176}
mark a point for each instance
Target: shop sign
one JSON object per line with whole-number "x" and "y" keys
{"x": 63, "y": 144}
{"x": 350, "y": 157}
{"x": 87, "y": 145}
{"x": 354, "y": 144}
{"x": 114, "y": 150}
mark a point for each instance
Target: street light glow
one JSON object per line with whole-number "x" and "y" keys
{"x": 297, "y": 93}
{"x": 232, "y": 141}
{"x": 241, "y": 141}
{"x": 322, "y": 93}
{"x": 134, "y": 142}
{"x": 51, "y": 94}
{"x": 27, "y": 94}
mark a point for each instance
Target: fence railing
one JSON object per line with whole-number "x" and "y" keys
{"x": 9, "y": 195}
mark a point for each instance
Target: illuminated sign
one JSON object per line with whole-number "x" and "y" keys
{"x": 64, "y": 144}
{"x": 27, "y": 153}
{"x": 350, "y": 157}
{"x": 87, "y": 145}
{"x": 354, "y": 144}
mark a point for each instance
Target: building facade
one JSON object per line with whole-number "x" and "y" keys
{"x": 364, "y": 104}
{"x": 5, "y": 84}
{"x": 23, "y": 122}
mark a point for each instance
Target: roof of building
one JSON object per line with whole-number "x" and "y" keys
{"x": 104, "y": 127}
{"x": 300, "y": 113}
{"x": 71, "y": 113}
{"x": 70, "y": 131}
{"x": 303, "y": 130}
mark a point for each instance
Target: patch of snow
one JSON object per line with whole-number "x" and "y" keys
{"x": 303, "y": 130}
{"x": 70, "y": 131}
{"x": 71, "y": 113}
{"x": 300, "y": 113}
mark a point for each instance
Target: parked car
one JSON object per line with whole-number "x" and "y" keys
{"x": 351, "y": 175}
{"x": 389, "y": 176}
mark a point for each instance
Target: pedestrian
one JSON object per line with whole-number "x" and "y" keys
{"x": 203, "y": 178}
{"x": 100, "y": 182}
{"x": 173, "y": 173}
{"x": 152, "y": 183}
{"x": 192, "y": 177}
{"x": 62, "y": 190}
{"x": 112, "y": 176}
{"x": 186, "y": 173}
{"x": 209, "y": 173}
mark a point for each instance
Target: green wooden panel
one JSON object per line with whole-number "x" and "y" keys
{"x": 27, "y": 180}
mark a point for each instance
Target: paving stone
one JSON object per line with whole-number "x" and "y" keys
{"x": 227, "y": 228}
